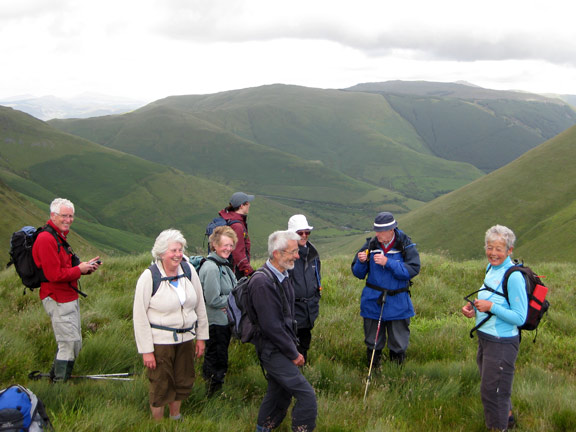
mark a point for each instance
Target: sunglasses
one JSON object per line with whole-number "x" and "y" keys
{"x": 303, "y": 233}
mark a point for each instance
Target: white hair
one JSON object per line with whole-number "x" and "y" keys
{"x": 500, "y": 232}
{"x": 165, "y": 239}
{"x": 278, "y": 240}
{"x": 58, "y": 203}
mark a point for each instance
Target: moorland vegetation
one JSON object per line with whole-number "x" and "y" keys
{"x": 436, "y": 390}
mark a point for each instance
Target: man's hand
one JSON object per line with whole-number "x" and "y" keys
{"x": 90, "y": 266}
{"x": 299, "y": 361}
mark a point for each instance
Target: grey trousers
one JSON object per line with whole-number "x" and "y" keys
{"x": 397, "y": 333}
{"x": 284, "y": 382}
{"x": 496, "y": 363}
{"x": 65, "y": 319}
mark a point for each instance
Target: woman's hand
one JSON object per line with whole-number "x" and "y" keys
{"x": 200, "y": 347}
{"x": 468, "y": 311}
{"x": 149, "y": 360}
{"x": 483, "y": 305}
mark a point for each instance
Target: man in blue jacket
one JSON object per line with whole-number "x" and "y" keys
{"x": 389, "y": 260}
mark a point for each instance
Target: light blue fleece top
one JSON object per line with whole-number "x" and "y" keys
{"x": 507, "y": 317}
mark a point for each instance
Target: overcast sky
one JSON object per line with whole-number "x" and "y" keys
{"x": 149, "y": 49}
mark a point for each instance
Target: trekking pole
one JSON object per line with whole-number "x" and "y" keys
{"x": 374, "y": 349}
{"x": 36, "y": 375}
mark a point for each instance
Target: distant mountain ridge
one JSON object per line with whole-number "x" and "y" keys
{"x": 471, "y": 124}
{"x": 82, "y": 106}
{"x": 337, "y": 156}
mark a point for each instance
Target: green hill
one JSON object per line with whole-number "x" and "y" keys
{"x": 535, "y": 196}
{"x": 486, "y": 128}
{"x": 122, "y": 201}
{"x": 286, "y": 141}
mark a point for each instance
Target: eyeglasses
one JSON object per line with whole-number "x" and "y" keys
{"x": 292, "y": 252}
{"x": 66, "y": 216}
{"x": 303, "y": 233}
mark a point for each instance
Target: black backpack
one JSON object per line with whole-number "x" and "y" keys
{"x": 21, "y": 410}
{"x": 21, "y": 255}
{"x": 157, "y": 276}
{"x": 536, "y": 292}
{"x": 241, "y": 315}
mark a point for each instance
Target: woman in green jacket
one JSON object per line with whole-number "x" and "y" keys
{"x": 218, "y": 280}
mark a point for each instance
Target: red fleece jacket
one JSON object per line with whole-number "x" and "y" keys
{"x": 57, "y": 267}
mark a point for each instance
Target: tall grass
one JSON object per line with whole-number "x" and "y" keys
{"x": 436, "y": 390}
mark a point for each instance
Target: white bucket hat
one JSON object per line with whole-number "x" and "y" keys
{"x": 298, "y": 223}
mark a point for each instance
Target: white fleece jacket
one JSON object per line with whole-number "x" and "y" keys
{"x": 165, "y": 309}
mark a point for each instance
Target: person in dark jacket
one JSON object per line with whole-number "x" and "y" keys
{"x": 388, "y": 261}
{"x": 307, "y": 282}
{"x": 272, "y": 299}
{"x": 59, "y": 294}
{"x": 237, "y": 216}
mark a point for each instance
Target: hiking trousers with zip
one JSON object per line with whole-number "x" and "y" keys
{"x": 66, "y": 325}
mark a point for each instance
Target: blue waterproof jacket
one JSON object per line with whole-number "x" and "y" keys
{"x": 403, "y": 264}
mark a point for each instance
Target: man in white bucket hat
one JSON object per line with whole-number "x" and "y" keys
{"x": 307, "y": 282}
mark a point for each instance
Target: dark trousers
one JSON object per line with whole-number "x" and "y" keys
{"x": 284, "y": 382}
{"x": 304, "y": 338}
{"x": 216, "y": 355}
{"x": 396, "y": 333}
{"x": 496, "y": 363}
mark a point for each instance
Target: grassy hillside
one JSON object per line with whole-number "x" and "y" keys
{"x": 437, "y": 390}
{"x": 471, "y": 124}
{"x": 122, "y": 201}
{"x": 535, "y": 196}
{"x": 290, "y": 141}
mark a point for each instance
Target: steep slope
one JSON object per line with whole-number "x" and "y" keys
{"x": 486, "y": 128}
{"x": 535, "y": 196}
{"x": 286, "y": 141}
{"x": 122, "y": 201}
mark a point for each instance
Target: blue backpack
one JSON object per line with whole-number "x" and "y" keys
{"x": 216, "y": 222}
{"x": 21, "y": 410}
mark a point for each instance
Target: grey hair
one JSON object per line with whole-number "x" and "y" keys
{"x": 58, "y": 203}
{"x": 500, "y": 232}
{"x": 165, "y": 239}
{"x": 278, "y": 240}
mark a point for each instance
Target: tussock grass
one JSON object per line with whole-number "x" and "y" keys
{"x": 436, "y": 390}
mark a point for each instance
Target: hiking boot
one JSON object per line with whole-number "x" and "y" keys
{"x": 511, "y": 421}
{"x": 59, "y": 371}
{"x": 69, "y": 367}
{"x": 397, "y": 357}
{"x": 213, "y": 387}
{"x": 377, "y": 358}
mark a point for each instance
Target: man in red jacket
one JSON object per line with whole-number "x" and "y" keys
{"x": 59, "y": 294}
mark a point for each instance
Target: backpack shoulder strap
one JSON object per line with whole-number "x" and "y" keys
{"x": 283, "y": 296}
{"x": 186, "y": 269}
{"x": 156, "y": 277}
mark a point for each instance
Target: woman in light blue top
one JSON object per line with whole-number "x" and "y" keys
{"x": 218, "y": 280}
{"x": 498, "y": 337}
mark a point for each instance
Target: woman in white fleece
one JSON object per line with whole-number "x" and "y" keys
{"x": 167, "y": 323}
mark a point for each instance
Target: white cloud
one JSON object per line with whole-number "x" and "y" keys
{"x": 149, "y": 49}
